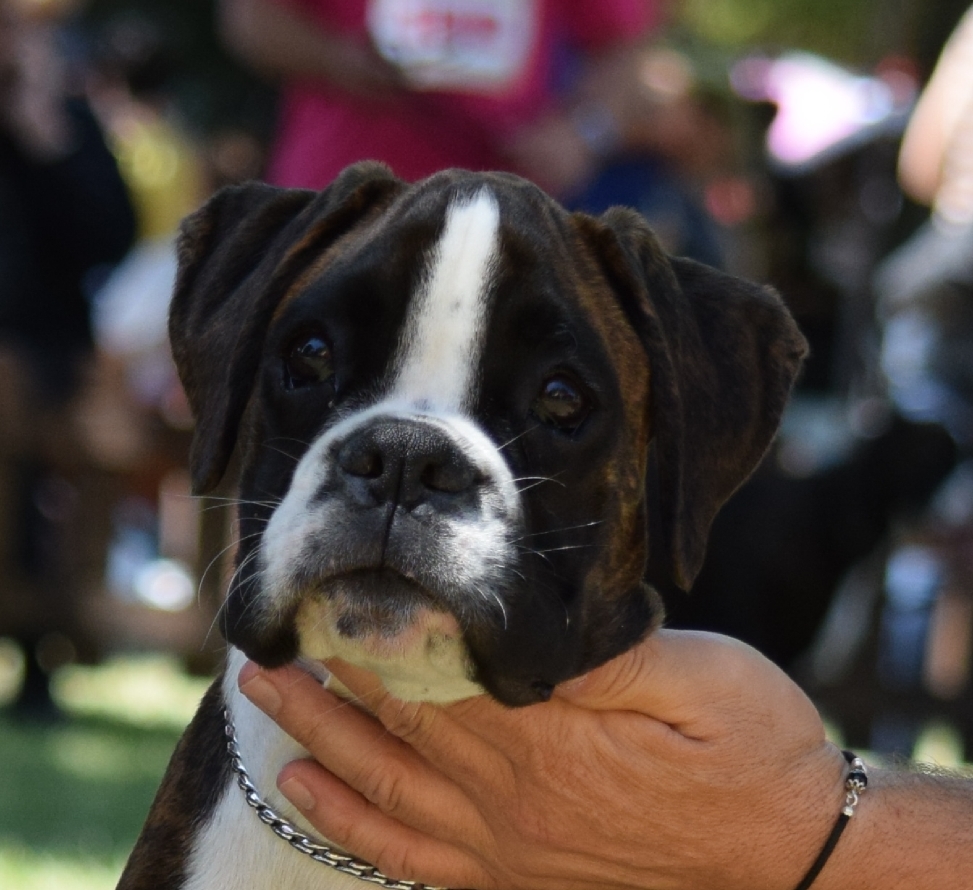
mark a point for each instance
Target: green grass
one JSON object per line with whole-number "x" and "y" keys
{"x": 22, "y": 869}
{"x": 73, "y": 795}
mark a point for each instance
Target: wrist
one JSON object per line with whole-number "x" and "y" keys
{"x": 787, "y": 828}
{"x": 912, "y": 831}
{"x": 855, "y": 784}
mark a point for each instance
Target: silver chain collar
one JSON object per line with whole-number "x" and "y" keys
{"x": 301, "y": 842}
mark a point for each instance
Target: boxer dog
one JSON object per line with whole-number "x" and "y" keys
{"x": 461, "y": 417}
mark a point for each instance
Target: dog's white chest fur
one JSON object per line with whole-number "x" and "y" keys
{"x": 235, "y": 850}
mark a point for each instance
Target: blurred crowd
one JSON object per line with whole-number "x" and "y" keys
{"x": 847, "y": 559}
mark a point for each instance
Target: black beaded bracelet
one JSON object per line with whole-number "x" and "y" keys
{"x": 855, "y": 786}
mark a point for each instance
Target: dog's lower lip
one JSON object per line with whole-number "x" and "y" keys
{"x": 378, "y": 602}
{"x": 382, "y": 578}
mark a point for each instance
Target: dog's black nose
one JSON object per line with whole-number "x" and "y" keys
{"x": 406, "y": 463}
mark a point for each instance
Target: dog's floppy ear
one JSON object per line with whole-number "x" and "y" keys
{"x": 723, "y": 354}
{"x": 238, "y": 255}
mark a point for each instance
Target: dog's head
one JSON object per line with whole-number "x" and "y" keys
{"x": 444, "y": 397}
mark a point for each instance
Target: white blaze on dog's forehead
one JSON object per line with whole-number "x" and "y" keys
{"x": 444, "y": 334}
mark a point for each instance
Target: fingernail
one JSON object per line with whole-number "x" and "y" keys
{"x": 259, "y": 690}
{"x": 572, "y": 685}
{"x": 297, "y": 793}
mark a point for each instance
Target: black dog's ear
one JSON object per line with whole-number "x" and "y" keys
{"x": 238, "y": 255}
{"x": 723, "y": 354}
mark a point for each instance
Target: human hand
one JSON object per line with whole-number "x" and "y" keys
{"x": 689, "y": 762}
{"x": 282, "y": 42}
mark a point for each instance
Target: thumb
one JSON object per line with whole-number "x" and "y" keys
{"x": 666, "y": 676}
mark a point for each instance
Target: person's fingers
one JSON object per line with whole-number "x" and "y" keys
{"x": 358, "y": 750}
{"x": 433, "y": 731}
{"x": 684, "y": 679}
{"x": 358, "y": 826}
{"x": 482, "y": 731}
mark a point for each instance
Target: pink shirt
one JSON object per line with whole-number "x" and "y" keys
{"x": 321, "y": 130}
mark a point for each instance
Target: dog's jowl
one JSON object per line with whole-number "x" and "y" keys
{"x": 457, "y": 410}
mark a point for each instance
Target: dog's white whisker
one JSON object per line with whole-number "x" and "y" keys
{"x": 212, "y": 563}
{"x": 490, "y": 595}
{"x": 517, "y": 573}
{"x": 558, "y": 530}
{"x": 244, "y": 563}
{"x": 536, "y": 481}
{"x": 233, "y": 501}
{"x": 235, "y": 579}
{"x": 539, "y": 553}
{"x": 545, "y": 550}
{"x": 271, "y": 442}
{"x": 209, "y": 630}
{"x": 513, "y": 439}
{"x": 221, "y": 501}
{"x": 290, "y": 455}
{"x": 228, "y": 503}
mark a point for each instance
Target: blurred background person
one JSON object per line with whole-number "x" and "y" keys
{"x": 65, "y": 215}
{"x": 155, "y": 591}
{"x": 524, "y": 85}
{"x": 925, "y": 287}
{"x": 935, "y": 161}
{"x": 679, "y": 161}
{"x": 577, "y": 97}
{"x": 923, "y": 294}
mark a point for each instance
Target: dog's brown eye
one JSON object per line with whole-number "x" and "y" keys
{"x": 308, "y": 362}
{"x": 561, "y": 404}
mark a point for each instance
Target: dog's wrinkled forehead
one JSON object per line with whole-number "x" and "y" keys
{"x": 452, "y": 274}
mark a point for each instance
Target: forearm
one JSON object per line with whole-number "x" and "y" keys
{"x": 275, "y": 40}
{"x": 932, "y": 128}
{"x": 283, "y": 44}
{"x": 912, "y": 831}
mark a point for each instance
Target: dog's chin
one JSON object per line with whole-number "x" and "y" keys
{"x": 384, "y": 623}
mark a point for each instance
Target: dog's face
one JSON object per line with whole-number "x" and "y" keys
{"x": 444, "y": 397}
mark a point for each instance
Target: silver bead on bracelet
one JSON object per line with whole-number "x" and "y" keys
{"x": 855, "y": 785}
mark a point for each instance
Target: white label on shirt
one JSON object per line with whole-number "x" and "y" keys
{"x": 465, "y": 45}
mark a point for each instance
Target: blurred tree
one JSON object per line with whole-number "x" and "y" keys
{"x": 858, "y": 32}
